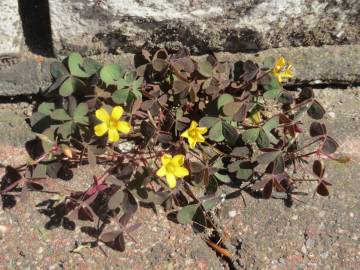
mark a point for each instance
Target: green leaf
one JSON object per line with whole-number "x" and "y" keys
{"x": 272, "y": 94}
{"x": 271, "y": 124}
{"x": 208, "y": 121}
{"x": 286, "y": 98}
{"x": 138, "y": 83}
{"x": 223, "y": 177}
{"x": 245, "y": 170}
{"x": 329, "y": 145}
{"x": 269, "y": 62}
{"x": 250, "y": 135}
{"x": 231, "y": 108}
{"x": 273, "y": 85}
{"x": 39, "y": 122}
{"x": 122, "y": 84}
{"x": 316, "y": 111}
{"x": 317, "y": 129}
{"x": 53, "y": 169}
{"x": 130, "y": 77}
{"x": 268, "y": 157}
{"x": 279, "y": 165}
{"x": 180, "y": 86}
{"x": 47, "y": 139}
{"x": 80, "y": 114}
{"x": 111, "y": 73}
{"x": 224, "y": 99}
{"x": 66, "y": 129}
{"x": 230, "y": 133}
{"x": 46, "y": 108}
{"x": 116, "y": 199}
{"x": 60, "y": 115}
{"x": 75, "y": 63}
{"x": 205, "y": 69}
{"x": 187, "y": 213}
{"x": 39, "y": 171}
{"x": 216, "y": 132}
{"x": 240, "y": 151}
{"x": 120, "y": 96}
{"x": 58, "y": 70}
{"x": 211, "y": 203}
{"x": 263, "y": 140}
{"x": 137, "y": 94}
{"x": 70, "y": 85}
{"x": 91, "y": 66}
{"x": 159, "y": 65}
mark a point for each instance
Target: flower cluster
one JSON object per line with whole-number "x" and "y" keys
{"x": 171, "y": 166}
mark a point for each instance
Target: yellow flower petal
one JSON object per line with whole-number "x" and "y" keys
{"x": 280, "y": 63}
{"x": 289, "y": 73}
{"x": 192, "y": 143}
{"x": 113, "y": 135}
{"x": 181, "y": 172}
{"x": 193, "y": 124}
{"x": 185, "y": 134}
{"x": 161, "y": 172}
{"x": 255, "y": 118}
{"x": 123, "y": 127}
{"x": 200, "y": 138}
{"x": 165, "y": 159}
{"x": 178, "y": 160}
{"x": 102, "y": 115}
{"x": 100, "y": 129}
{"x": 202, "y": 130}
{"x": 171, "y": 180}
{"x": 117, "y": 112}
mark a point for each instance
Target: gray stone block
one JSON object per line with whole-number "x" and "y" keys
{"x": 24, "y": 78}
{"x": 201, "y": 25}
{"x": 313, "y": 65}
{"x": 10, "y": 29}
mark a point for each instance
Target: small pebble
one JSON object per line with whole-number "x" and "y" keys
{"x": 332, "y": 114}
{"x": 324, "y": 255}
{"x": 310, "y": 243}
{"x": 322, "y": 214}
{"x": 351, "y": 214}
{"x": 295, "y": 217}
{"x": 303, "y": 249}
{"x": 232, "y": 213}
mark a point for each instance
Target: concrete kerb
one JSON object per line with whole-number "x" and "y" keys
{"x": 314, "y": 65}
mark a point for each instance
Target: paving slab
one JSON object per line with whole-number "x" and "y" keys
{"x": 318, "y": 233}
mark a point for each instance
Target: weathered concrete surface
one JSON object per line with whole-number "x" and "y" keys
{"x": 25, "y": 77}
{"x": 10, "y": 29}
{"x": 313, "y": 65}
{"x": 202, "y": 25}
{"x": 322, "y": 233}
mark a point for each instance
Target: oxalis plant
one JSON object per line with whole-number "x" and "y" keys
{"x": 174, "y": 132}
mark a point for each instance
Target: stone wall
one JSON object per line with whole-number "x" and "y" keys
{"x": 93, "y": 26}
{"x": 202, "y": 25}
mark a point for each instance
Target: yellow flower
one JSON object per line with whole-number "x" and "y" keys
{"x": 255, "y": 117}
{"x": 194, "y": 134}
{"x": 172, "y": 168}
{"x": 283, "y": 70}
{"x": 111, "y": 123}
